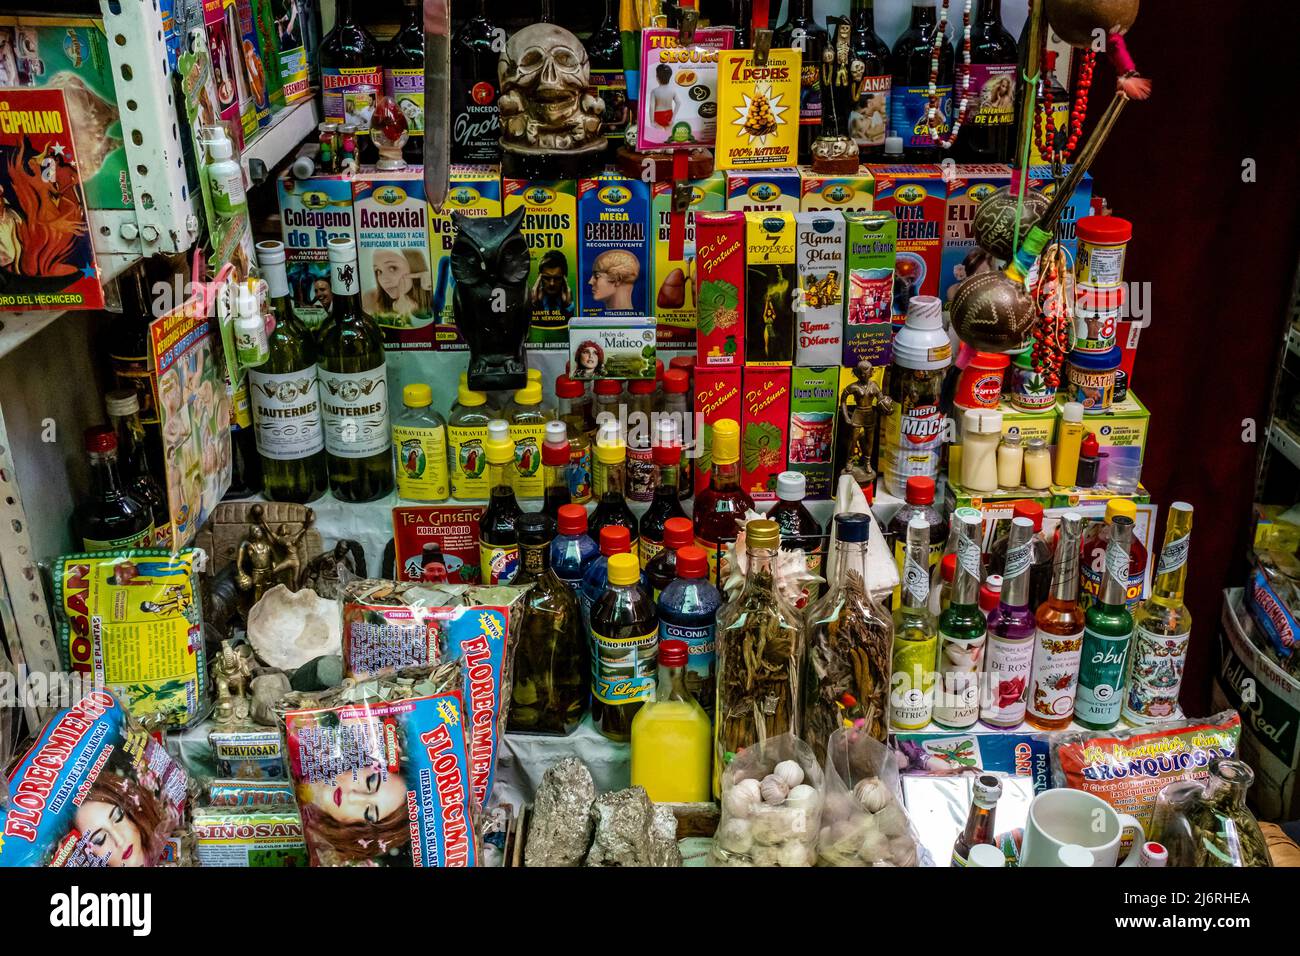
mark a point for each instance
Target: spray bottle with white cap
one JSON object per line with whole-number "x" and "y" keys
{"x": 225, "y": 177}
{"x": 913, "y": 432}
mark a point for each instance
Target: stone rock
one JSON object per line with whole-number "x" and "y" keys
{"x": 267, "y": 689}
{"x": 321, "y": 673}
{"x": 289, "y": 628}
{"x": 560, "y": 831}
{"x": 632, "y": 831}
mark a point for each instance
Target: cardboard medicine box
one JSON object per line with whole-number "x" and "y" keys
{"x": 1040, "y": 177}
{"x": 846, "y": 193}
{"x": 764, "y": 429}
{"x": 312, "y": 212}
{"x": 765, "y": 190}
{"x": 1122, "y": 437}
{"x": 918, "y": 197}
{"x": 814, "y": 404}
{"x": 674, "y": 279}
{"x": 962, "y": 256}
{"x": 551, "y": 229}
{"x": 393, "y": 255}
{"x": 613, "y": 246}
{"x": 771, "y": 280}
{"x": 868, "y": 326}
{"x": 474, "y": 192}
{"x": 819, "y": 309}
{"x": 719, "y": 291}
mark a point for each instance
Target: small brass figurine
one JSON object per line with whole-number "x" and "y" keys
{"x": 327, "y": 573}
{"x": 858, "y": 418}
{"x": 231, "y": 672}
{"x": 267, "y": 557}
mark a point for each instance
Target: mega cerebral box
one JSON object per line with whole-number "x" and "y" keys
{"x": 613, "y": 246}
{"x": 917, "y": 196}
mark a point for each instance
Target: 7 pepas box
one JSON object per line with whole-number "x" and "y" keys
{"x": 764, "y": 428}
{"x": 720, "y": 290}
{"x": 551, "y": 229}
{"x": 674, "y": 279}
{"x": 918, "y": 197}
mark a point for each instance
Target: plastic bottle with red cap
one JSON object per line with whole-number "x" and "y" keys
{"x": 660, "y": 570}
{"x": 1040, "y": 566}
{"x": 667, "y": 454}
{"x": 688, "y": 612}
{"x": 573, "y": 549}
{"x": 574, "y": 407}
{"x": 555, "y": 467}
{"x": 109, "y": 517}
{"x": 640, "y": 440}
{"x": 990, "y": 593}
{"x": 614, "y": 539}
{"x": 919, "y": 500}
{"x": 672, "y": 739}
{"x": 677, "y": 407}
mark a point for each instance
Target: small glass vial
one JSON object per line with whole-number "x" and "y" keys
{"x": 1038, "y": 465}
{"x": 420, "y": 446}
{"x": 1010, "y": 462}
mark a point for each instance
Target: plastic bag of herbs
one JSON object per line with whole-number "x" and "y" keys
{"x": 864, "y": 823}
{"x": 772, "y": 796}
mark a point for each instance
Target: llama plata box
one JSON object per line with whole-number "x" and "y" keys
{"x": 551, "y": 230}
{"x": 819, "y": 311}
{"x": 613, "y": 246}
{"x": 393, "y": 255}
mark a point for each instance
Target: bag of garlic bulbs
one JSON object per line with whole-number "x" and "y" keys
{"x": 771, "y": 806}
{"x": 863, "y": 820}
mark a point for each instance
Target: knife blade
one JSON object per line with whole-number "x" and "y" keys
{"x": 437, "y": 99}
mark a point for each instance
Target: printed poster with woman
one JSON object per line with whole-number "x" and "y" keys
{"x": 393, "y": 251}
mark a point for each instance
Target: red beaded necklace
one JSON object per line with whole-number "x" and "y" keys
{"x": 1045, "y": 127}
{"x": 932, "y": 121}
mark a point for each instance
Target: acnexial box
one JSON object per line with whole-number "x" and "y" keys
{"x": 393, "y": 256}
{"x": 819, "y": 309}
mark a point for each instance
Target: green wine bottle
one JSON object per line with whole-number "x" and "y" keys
{"x": 354, "y": 387}
{"x": 285, "y": 397}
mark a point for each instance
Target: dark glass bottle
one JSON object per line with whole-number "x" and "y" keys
{"x": 129, "y": 348}
{"x": 245, "y": 462}
{"x": 352, "y": 75}
{"x": 403, "y": 59}
{"x": 110, "y": 517}
{"x": 610, "y": 480}
{"x": 552, "y": 664}
{"x": 475, "y": 121}
{"x": 909, "y": 99}
{"x": 981, "y": 821}
{"x": 666, "y": 504}
{"x": 988, "y": 133}
{"x": 605, "y": 51}
{"x": 660, "y": 570}
{"x": 720, "y": 508}
{"x": 123, "y": 406}
{"x": 285, "y": 397}
{"x": 625, "y": 642}
{"x": 799, "y": 529}
{"x": 872, "y": 77}
{"x": 354, "y": 388}
{"x": 498, "y": 541}
{"x": 802, "y": 31}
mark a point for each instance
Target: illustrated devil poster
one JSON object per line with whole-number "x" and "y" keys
{"x": 46, "y": 257}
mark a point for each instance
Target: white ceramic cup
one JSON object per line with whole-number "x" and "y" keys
{"x": 1058, "y": 818}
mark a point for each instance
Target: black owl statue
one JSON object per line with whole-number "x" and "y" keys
{"x": 489, "y": 261}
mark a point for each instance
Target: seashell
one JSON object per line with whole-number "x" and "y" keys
{"x": 735, "y": 836}
{"x": 789, "y": 772}
{"x": 874, "y": 847}
{"x": 774, "y": 790}
{"x": 738, "y": 804}
{"x": 872, "y": 794}
{"x": 802, "y": 797}
{"x": 794, "y": 853}
{"x": 892, "y": 821}
{"x": 750, "y": 788}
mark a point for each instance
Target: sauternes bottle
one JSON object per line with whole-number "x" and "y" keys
{"x": 498, "y": 541}
{"x": 962, "y": 634}
{"x": 1058, "y": 642}
{"x": 1162, "y": 626}
{"x": 916, "y": 637}
{"x": 354, "y": 387}
{"x": 1106, "y": 635}
{"x": 286, "y": 397}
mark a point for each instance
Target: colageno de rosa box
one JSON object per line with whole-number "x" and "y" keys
{"x": 814, "y": 404}
{"x": 764, "y": 190}
{"x": 674, "y": 279}
{"x": 764, "y": 429}
{"x": 819, "y": 308}
{"x": 771, "y": 284}
{"x": 854, "y": 192}
{"x": 393, "y": 255}
{"x": 1040, "y": 177}
{"x": 550, "y": 228}
{"x": 720, "y": 290}
{"x": 962, "y": 255}
{"x": 918, "y": 197}
{"x": 717, "y": 396}
{"x": 613, "y": 246}
{"x": 870, "y": 238}
{"x": 474, "y": 192}
{"x": 312, "y": 212}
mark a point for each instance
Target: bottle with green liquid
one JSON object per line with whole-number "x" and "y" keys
{"x": 1107, "y": 630}
{"x": 963, "y": 633}
{"x": 916, "y": 636}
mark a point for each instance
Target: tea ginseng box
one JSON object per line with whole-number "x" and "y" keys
{"x": 720, "y": 290}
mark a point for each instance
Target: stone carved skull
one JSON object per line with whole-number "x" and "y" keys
{"x": 546, "y": 103}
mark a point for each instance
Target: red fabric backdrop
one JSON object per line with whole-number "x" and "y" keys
{"x": 1219, "y": 254}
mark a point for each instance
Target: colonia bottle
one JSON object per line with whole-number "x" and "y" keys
{"x": 555, "y": 466}
{"x": 1059, "y": 639}
{"x": 1096, "y": 541}
{"x": 688, "y": 612}
{"x": 661, "y": 569}
{"x": 913, "y": 432}
{"x": 1011, "y": 635}
{"x": 666, "y": 504}
{"x": 916, "y": 637}
{"x": 962, "y": 634}
{"x": 575, "y": 410}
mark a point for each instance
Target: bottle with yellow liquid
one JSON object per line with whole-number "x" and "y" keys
{"x": 1162, "y": 627}
{"x": 671, "y": 737}
{"x": 528, "y": 420}
{"x": 420, "y": 444}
